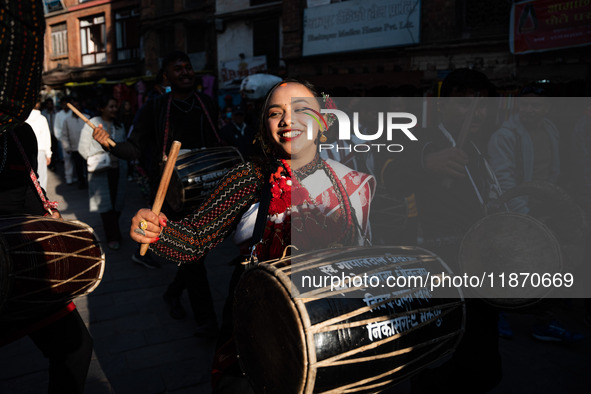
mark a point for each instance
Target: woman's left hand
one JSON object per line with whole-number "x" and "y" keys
{"x": 146, "y": 226}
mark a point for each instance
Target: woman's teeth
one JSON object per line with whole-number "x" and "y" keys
{"x": 291, "y": 134}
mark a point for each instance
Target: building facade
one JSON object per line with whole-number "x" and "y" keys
{"x": 185, "y": 25}
{"x": 110, "y": 41}
{"x": 355, "y": 45}
{"x": 91, "y": 40}
{"x": 364, "y": 44}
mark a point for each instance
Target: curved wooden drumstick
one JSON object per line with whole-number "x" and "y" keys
{"x": 88, "y": 122}
{"x": 163, "y": 187}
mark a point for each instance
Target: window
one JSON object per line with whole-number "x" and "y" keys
{"x": 52, "y": 5}
{"x": 265, "y": 38}
{"x": 127, "y": 34}
{"x": 93, "y": 40}
{"x": 59, "y": 40}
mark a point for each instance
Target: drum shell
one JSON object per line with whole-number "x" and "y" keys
{"x": 290, "y": 344}
{"x": 45, "y": 262}
{"x": 196, "y": 174}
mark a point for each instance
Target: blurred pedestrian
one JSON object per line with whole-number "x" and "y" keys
{"x": 58, "y": 126}
{"x": 126, "y": 115}
{"x": 48, "y": 110}
{"x": 72, "y": 128}
{"x": 41, "y": 128}
{"x": 238, "y": 134}
{"x": 107, "y": 174}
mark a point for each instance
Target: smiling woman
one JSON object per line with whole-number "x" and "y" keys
{"x": 291, "y": 187}
{"x": 286, "y": 122}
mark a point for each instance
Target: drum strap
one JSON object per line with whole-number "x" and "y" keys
{"x": 259, "y": 225}
{"x": 47, "y": 205}
{"x": 167, "y": 125}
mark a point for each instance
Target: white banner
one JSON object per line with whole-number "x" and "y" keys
{"x": 360, "y": 24}
{"x": 234, "y": 71}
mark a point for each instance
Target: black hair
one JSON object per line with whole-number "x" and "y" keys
{"x": 103, "y": 102}
{"x": 464, "y": 79}
{"x": 173, "y": 57}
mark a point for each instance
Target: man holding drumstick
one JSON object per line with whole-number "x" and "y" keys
{"x": 183, "y": 115}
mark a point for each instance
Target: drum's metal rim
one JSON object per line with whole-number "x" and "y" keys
{"x": 103, "y": 258}
{"x": 304, "y": 318}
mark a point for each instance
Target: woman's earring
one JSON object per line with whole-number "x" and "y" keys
{"x": 322, "y": 138}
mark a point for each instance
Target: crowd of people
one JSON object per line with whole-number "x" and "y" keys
{"x": 286, "y": 194}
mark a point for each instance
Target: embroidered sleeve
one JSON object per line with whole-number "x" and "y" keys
{"x": 189, "y": 239}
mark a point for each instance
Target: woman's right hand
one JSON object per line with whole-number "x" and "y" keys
{"x": 101, "y": 136}
{"x": 153, "y": 227}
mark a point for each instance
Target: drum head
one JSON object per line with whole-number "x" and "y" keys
{"x": 510, "y": 243}
{"x": 269, "y": 334}
{"x": 196, "y": 175}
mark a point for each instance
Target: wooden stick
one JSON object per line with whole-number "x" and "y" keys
{"x": 163, "y": 187}
{"x": 88, "y": 122}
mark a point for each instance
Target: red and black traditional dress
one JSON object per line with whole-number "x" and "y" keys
{"x": 321, "y": 204}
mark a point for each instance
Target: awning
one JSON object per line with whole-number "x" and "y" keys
{"x": 103, "y": 81}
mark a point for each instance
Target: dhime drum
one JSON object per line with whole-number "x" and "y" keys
{"x": 196, "y": 174}
{"x": 301, "y": 328}
{"x": 43, "y": 262}
{"x": 509, "y": 243}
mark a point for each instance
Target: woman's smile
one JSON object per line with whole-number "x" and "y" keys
{"x": 290, "y": 134}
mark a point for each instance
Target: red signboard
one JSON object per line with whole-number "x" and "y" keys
{"x": 544, "y": 25}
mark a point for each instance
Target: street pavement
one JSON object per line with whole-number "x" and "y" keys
{"x": 139, "y": 348}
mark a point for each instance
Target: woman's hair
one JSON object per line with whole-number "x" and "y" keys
{"x": 103, "y": 102}
{"x": 262, "y": 132}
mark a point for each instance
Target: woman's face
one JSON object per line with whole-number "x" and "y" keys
{"x": 109, "y": 112}
{"x": 286, "y": 122}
